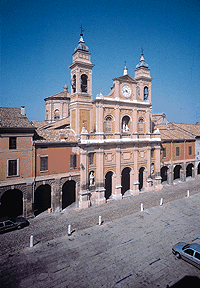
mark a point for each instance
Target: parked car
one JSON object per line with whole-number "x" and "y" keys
{"x": 8, "y": 224}
{"x": 188, "y": 252}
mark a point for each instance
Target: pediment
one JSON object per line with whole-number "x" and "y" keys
{"x": 125, "y": 78}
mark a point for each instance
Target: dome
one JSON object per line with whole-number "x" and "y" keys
{"x": 81, "y": 45}
{"x": 142, "y": 63}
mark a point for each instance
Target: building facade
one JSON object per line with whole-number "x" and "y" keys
{"x": 90, "y": 151}
{"x": 17, "y": 162}
{"x": 179, "y": 149}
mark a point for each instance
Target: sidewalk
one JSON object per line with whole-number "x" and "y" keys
{"x": 130, "y": 249}
{"x": 118, "y": 208}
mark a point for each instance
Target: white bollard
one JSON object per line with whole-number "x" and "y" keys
{"x": 161, "y": 201}
{"x": 69, "y": 230}
{"x": 31, "y": 241}
{"x": 142, "y": 207}
{"x": 100, "y": 221}
{"x": 188, "y": 193}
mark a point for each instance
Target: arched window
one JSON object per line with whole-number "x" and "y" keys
{"x": 56, "y": 115}
{"x": 108, "y": 124}
{"x": 125, "y": 123}
{"x": 141, "y": 126}
{"x": 145, "y": 93}
{"x": 74, "y": 84}
{"x": 84, "y": 83}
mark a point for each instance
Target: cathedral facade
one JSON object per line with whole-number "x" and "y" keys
{"x": 119, "y": 148}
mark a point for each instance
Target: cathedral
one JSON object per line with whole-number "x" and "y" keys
{"x": 118, "y": 145}
{"x": 89, "y": 151}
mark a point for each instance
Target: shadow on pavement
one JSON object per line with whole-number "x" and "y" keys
{"x": 187, "y": 281}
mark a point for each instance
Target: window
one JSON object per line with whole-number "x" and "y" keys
{"x": 190, "y": 150}
{"x": 152, "y": 153}
{"x": 12, "y": 142}
{"x": 197, "y": 255}
{"x": 73, "y": 161}
{"x": 43, "y": 163}
{"x": 56, "y": 115}
{"x": 12, "y": 167}
{"x": 74, "y": 84}
{"x": 84, "y": 83}
{"x": 145, "y": 93}
{"x": 164, "y": 155}
{"x": 177, "y": 152}
{"x": 140, "y": 126}
{"x": 189, "y": 252}
{"x": 91, "y": 158}
{"x": 108, "y": 124}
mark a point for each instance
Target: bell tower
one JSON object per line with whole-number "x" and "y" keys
{"x": 81, "y": 88}
{"x": 143, "y": 78}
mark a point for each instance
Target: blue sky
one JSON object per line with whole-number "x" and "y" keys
{"x": 38, "y": 38}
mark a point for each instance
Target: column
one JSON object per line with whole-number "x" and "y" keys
{"x": 136, "y": 182}
{"x": 134, "y": 116}
{"x": 157, "y": 168}
{"x": 117, "y": 123}
{"x": 98, "y": 197}
{"x": 117, "y": 194}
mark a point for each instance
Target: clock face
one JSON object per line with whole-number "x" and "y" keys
{"x": 126, "y": 90}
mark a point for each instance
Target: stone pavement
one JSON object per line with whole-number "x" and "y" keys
{"x": 130, "y": 249}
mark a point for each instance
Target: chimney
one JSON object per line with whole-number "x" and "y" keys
{"x": 23, "y": 110}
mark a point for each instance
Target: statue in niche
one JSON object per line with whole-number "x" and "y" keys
{"x": 125, "y": 127}
{"x": 92, "y": 182}
{"x": 152, "y": 169}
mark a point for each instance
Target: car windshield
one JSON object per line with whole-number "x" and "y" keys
{"x": 186, "y": 246}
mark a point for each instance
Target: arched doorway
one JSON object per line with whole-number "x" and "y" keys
{"x": 198, "y": 169}
{"x": 42, "y": 199}
{"x": 163, "y": 173}
{"x": 11, "y": 203}
{"x": 125, "y": 180}
{"x": 108, "y": 184}
{"x": 189, "y": 170}
{"x": 141, "y": 177}
{"x": 177, "y": 172}
{"x": 68, "y": 193}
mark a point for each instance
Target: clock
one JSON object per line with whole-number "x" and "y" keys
{"x": 126, "y": 90}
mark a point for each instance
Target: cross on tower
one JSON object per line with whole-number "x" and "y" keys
{"x": 81, "y": 30}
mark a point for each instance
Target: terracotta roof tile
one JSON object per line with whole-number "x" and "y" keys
{"x": 11, "y": 118}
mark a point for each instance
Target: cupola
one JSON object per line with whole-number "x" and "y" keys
{"x": 142, "y": 62}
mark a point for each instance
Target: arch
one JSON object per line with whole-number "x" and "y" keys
{"x": 163, "y": 173}
{"x": 146, "y": 93}
{"x": 198, "y": 169}
{"x": 189, "y": 170}
{"x": 125, "y": 123}
{"x": 108, "y": 184}
{"x": 42, "y": 199}
{"x": 141, "y": 177}
{"x": 84, "y": 79}
{"x": 125, "y": 180}
{"x": 74, "y": 84}
{"x": 68, "y": 193}
{"x": 177, "y": 173}
{"x": 11, "y": 203}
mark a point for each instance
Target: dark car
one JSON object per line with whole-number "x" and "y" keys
{"x": 188, "y": 252}
{"x": 9, "y": 224}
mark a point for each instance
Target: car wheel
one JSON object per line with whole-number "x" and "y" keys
{"x": 178, "y": 255}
